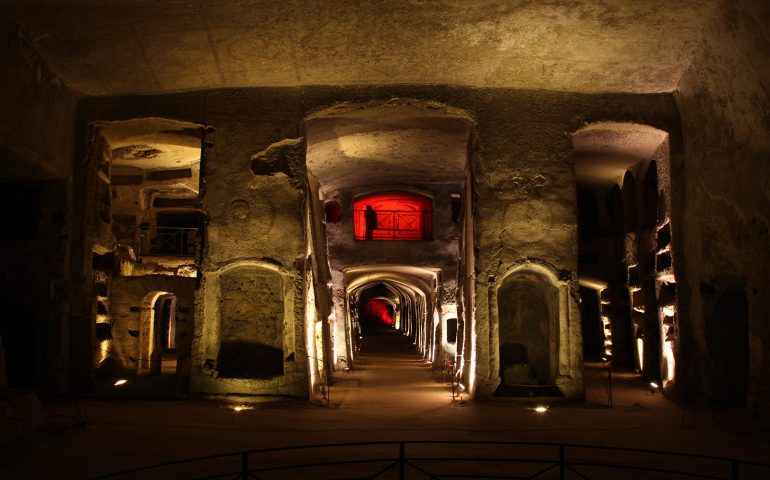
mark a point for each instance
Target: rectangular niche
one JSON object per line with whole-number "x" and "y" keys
{"x": 252, "y": 323}
{"x": 663, "y": 261}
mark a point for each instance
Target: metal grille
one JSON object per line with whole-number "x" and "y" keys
{"x": 395, "y": 225}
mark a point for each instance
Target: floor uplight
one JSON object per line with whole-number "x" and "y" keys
{"x": 240, "y": 408}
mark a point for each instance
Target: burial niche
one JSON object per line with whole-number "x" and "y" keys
{"x": 527, "y": 308}
{"x": 252, "y": 316}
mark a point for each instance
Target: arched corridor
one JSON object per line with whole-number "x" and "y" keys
{"x": 624, "y": 217}
{"x": 393, "y": 297}
{"x": 380, "y": 204}
{"x": 389, "y": 246}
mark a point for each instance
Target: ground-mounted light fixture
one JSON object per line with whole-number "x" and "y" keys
{"x": 120, "y": 382}
{"x": 540, "y": 409}
{"x": 241, "y": 408}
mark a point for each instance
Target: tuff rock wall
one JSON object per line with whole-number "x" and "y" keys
{"x": 725, "y": 107}
{"x": 253, "y": 185}
{"x": 37, "y": 122}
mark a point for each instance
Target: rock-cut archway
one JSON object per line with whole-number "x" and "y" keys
{"x": 536, "y": 348}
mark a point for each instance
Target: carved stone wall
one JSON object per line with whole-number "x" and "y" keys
{"x": 252, "y": 317}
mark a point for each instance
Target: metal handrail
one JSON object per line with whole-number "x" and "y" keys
{"x": 415, "y": 224}
{"x": 174, "y": 241}
{"x": 405, "y": 464}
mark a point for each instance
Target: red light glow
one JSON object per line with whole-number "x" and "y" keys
{"x": 396, "y": 216}
{"x": 379, "y": 312}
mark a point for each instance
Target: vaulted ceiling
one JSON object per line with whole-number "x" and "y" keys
{"x": 153, "y": 46}
{"x": 388, "y": 144}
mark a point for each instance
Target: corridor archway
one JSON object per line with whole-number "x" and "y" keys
{"x": 388, "y": 202}
{"x": 157, "y": 335}
{"x": 405, "y": 300}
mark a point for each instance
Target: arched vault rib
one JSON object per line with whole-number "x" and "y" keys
{"x": 605, "y": 150}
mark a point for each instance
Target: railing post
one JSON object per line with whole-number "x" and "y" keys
{"x": 244, "y": 466}
{"x": 562, "y": 470}
{"x": 401, "y": 461}
{"x": 735, "y": 470}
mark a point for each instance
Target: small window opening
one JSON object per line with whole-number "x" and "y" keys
{"x": 451, "y": 330}
{"x": 165, "y": 311}
{"x": 332, "y": 212}
{"x": 456, "y": 206}
{"x": 176, "y": 234}
{"x": 393, "y": 216}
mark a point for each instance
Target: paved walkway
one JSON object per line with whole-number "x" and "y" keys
{"x": 389, "y": 374}
{"x": 392, "y": 395}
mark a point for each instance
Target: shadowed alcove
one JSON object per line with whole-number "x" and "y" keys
{"x": 528, "y": 309}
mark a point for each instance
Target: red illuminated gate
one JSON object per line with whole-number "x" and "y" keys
{"x": 393, "y": 216}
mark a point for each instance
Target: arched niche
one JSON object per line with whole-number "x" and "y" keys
{"x": 529, "y": 307}
{"x": 252, "y": 309}
{"x": 150, "y": 323}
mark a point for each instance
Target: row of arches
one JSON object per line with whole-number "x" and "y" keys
{"x": 640, "y": 302}
{"x": 396, "y": 297}
{"x": 627, "y": 261}
{"x": 626, "y": 248}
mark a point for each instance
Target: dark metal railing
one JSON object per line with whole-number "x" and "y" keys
{"x": 438, "y": 460}
{"x": 174, "y": 241}
{"x": 394, "y": 224}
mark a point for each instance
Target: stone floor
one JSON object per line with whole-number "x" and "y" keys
{"x": 391, "y": 395}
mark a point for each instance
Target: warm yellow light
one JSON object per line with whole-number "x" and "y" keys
{"x": 669, "y": 311}
{"x": 540, "y": 409}
{"x": 240, "y": 408}
{"x": 653, "y": 385}
{"x": 669, "y": 360}
{"x": 120, "y": 382}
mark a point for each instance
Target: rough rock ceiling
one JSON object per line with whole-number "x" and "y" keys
{"x": 150, "y": 46}
{"x": 386, "y": 145}
{"x": 153, "y": 144}
{"x": 604, "y": 151}
{"x": 407, "y": 277}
